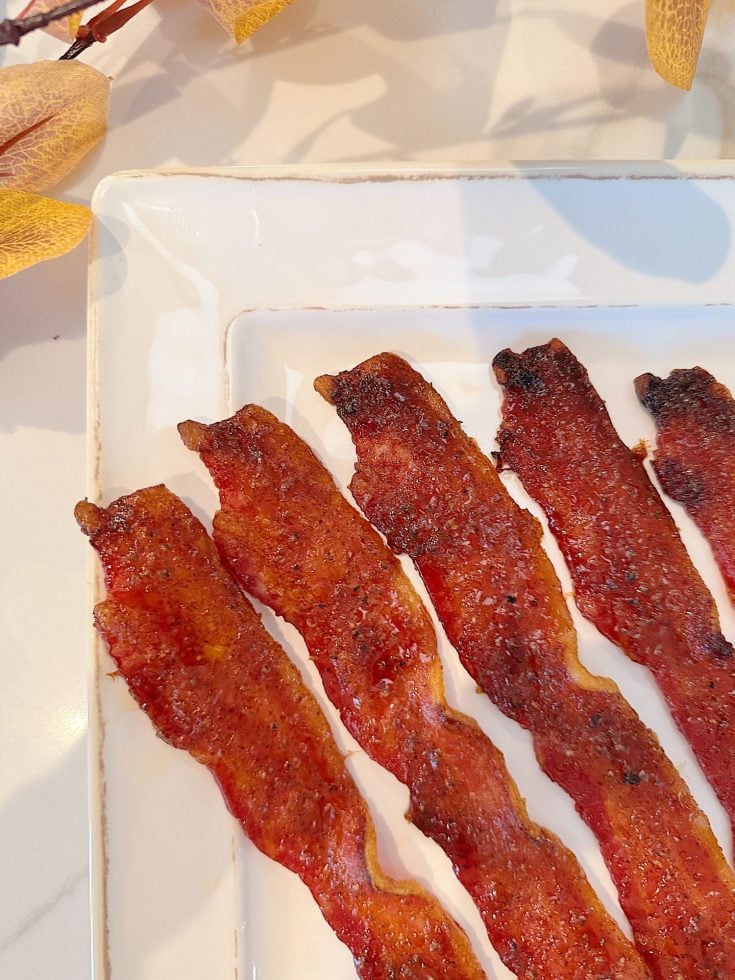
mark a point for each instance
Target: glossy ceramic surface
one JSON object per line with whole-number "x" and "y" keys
{"x": 215, "y": 288}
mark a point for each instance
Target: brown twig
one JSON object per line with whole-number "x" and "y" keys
{"x": 13, "y": 29}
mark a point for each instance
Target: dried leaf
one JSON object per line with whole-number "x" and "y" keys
{"x": 34, "y": 228}
{"x": 64, "y": 29}
{"x": 241, "y": 18}
{"x": 51, "y": 114}
{"x": 674, "y": 31}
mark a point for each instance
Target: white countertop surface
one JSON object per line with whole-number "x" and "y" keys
{"x": 327, "y": 81}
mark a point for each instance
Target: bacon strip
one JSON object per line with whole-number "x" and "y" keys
{"x": 201, "y": 665}
{"x": 632, "y": 576}
{"x": 291, "y": 539}
{"x": 695, "y": 454}
{"x": 426, "y": 485}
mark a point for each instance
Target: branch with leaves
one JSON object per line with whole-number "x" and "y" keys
{"x": 12, "y": 29}
{"x": 52, "y": 113}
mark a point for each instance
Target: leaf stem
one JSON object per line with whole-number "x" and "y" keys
{"x": 99, "y": 28}
{"x": 77, "y": 46}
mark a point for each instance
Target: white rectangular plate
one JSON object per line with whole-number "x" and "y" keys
{"x": 211, "y": 289}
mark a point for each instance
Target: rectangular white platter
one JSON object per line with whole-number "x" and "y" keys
{"x": 211, "y": 289}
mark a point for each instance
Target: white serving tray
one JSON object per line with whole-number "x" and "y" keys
{"x": 212, "y": 288}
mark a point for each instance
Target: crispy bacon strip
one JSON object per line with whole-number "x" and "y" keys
{"x": 695, "y": 454}
{"x": 426, "y": 485}
{"x": 632, "y": 576}
{"x": 292, "y": 540}
{"x": 199, "y": 662}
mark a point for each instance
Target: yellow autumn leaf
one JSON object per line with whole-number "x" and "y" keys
{"x": 51, "y": 114}
{"x": 241, "y": 18}
{"x": 34, "y": 228}
{"x": 64, "y": 29}
{"x": 674, "y": 32}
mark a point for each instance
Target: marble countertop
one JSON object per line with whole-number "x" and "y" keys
{"x": 326, "y": 82}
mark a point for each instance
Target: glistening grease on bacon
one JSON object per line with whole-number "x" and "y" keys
{"x": 695, "y": 453}
{"x": 201, "y": 665}
{"x": 632, "y": 575}
{"x": 429, "y": 489}
{"x": 292, "y": 540}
